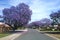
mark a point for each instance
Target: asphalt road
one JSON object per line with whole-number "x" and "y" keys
{"x": 32, "y": 34}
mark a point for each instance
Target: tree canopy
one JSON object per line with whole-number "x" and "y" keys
{"x": 41, "y": 23}
{"x": 55, "y": 16}
{"x": 17, "y": 16}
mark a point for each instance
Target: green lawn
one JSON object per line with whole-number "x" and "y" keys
{"x": 4, "y": 34}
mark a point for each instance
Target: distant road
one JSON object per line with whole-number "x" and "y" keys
{"x": 32, "y": 34}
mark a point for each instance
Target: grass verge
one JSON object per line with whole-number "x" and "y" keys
{"x": 4, "y": 34}
{"x": 55, "y": 35}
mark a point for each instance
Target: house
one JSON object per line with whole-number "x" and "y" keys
{"x": 4, "y": 27}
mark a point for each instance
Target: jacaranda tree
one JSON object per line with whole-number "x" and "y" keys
{"x": 46, "y": 21}
{"x": 43, "y": 22}
{"x": 17, "y": 16}
{"x": 55, "y": 16}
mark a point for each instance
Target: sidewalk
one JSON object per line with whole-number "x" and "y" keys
{"x": 13, "y": 36}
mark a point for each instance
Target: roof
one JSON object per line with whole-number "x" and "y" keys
{"x": 3, "y": 25}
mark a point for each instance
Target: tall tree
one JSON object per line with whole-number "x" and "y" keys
{"x": 17, "y": 16}
{"x": 55, "y": 16}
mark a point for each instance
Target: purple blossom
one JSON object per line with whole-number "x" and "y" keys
{"x": 19, "y": 15}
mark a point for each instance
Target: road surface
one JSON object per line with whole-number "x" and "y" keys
{"x": 33, "y": 34}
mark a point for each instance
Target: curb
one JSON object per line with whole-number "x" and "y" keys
{"x": 50, "y": 35}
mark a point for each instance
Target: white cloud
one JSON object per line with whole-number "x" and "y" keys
{"x": 16, "y": 2}
{"x": 43, "y": 9}
{"x": 40, "y": 8}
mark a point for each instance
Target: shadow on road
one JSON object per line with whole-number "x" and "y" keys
{"x": 41, "y": 32}
{"x": 11, "y": 32}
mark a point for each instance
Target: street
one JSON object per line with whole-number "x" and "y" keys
{"x": 33, "y": 34}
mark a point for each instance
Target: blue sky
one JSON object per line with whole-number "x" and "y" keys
{"x": 40, "y": 8}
